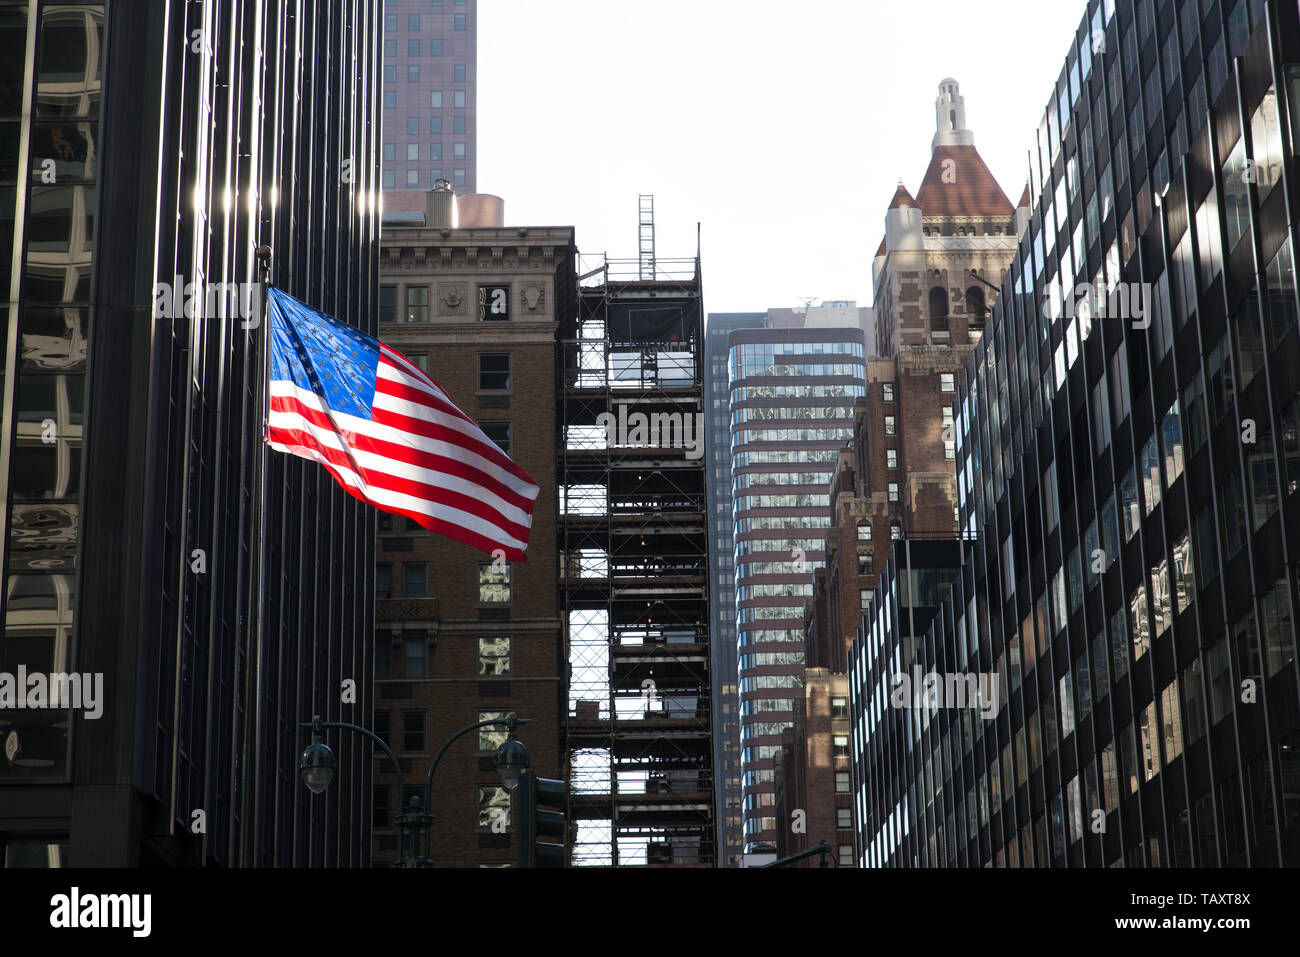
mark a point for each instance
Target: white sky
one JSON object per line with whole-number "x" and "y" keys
{"x": 782, "y": 128}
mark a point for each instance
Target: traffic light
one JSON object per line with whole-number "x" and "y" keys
{"x": 541, "y": 820}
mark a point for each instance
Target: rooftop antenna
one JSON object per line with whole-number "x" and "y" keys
{"x": 646, "y": 225}
{"x": 807, "y": 302}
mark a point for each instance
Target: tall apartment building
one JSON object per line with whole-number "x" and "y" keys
{"x": 162, "y": 143}
{"x": 933, "y": 275}
{"x": 722, "y": 584}
{"x": 430, "y": 100}
{"x": 634, "y": 566}
{"x": 1128, "y": 470}
{"x": 792, "y": 396}
{"x": 461, "y": 637}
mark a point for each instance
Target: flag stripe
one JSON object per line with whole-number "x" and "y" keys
{"x": 390, "y": 435}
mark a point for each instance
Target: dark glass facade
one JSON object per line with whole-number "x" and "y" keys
{"x": 1128, "y": 476}
{"x": 161, "y": 143}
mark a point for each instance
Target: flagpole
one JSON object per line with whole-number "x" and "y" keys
{"x": 253, "y": 767}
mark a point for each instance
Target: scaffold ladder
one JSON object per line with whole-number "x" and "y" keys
{"x": 646, "y": 219}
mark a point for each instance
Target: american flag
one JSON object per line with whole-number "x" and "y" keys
{"x": 388, "y": 434}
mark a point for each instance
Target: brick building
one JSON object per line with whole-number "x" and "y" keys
{"x": 935, "y": 276}
{"x": 458, "y": 636}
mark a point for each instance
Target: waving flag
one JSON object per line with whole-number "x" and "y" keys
{"x": 388, "y": 434}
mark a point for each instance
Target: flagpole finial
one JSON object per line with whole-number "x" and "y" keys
{"x": 264, "y": 261}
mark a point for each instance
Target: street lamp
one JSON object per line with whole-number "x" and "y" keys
{"x": 317, "y": 764}
{"x": 512, "y": 761}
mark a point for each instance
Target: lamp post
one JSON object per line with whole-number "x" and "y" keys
{"x": 317, "y": 764}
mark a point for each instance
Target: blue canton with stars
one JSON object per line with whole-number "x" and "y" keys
{"x": 322, "y": 355}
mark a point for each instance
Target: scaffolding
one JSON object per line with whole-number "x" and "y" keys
{"x": 634, "y": 566}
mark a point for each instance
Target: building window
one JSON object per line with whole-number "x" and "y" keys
{"x": 412, "y": 74}
{"x": 390, "y": 74}
{"x": 413, "y": 22}
{"x": 434, "y": 176}
{"x": 891, "y": 427}
{"x": 458, "y": 149}
{"x": 494, "y": 372}
{"x": 458, "y": 73}
{"x": 494, "y": 584}
{"x": 840, "y": 746}
{"x": 938, "y": 309}
{"x": 415, "y": 657}
{"x": 390, "y": 179}
{"x": 413, "y": 731}
{"x": 390, "y": 152}
{"x": 421, "y": 361}
{"x": 412, "y": 47}
{"x": 415, "y": 580}
{"x": 435, "y": 151}
{"x": 390, "y": 22}
{"x": 887, "y": 391}
{"x": 947, "y": 382}
{"x": 390, "y": 100}
{"x": 846, "y": 855}
{"x": 390, "y": 48}
{"x": 458, "y": 177}
{"x": 492, "y": 736}
{"x": 843, "y": 817}
{"x": 435, "y": 48}
{"x": 382, "y": 799}
{"x": 458, "y": 124}
{"x": 417, "y": 303}
{"x": 839, "y": 707}
{"x": 865, "y": 564}
{"x": 458, "y": 22}
{"x": 387, "y": 303}
{"x": 435, "y": 103}
{"x": 891, "y": 458}
{"x": 412, "y": 151}
{"x": 842, "y": 782}
{"x": 494, "y": 656}
{"x": 412, "y": 178}
{"x": 458, "y": 99}
{"x": 893, "y": 491}
{"x": 413, "y": 126}
{"x": 384, "y": 580}
{"x": 895, "y": 531}
{"x": 498, "y": 432}
{"x": 493, "y": 809}
{"x": 864, "y": 599}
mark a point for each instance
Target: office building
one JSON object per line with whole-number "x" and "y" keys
{"x": 430, "y": 102}
{"x": 162, "y": 143}
{"x": 461, "y": 637}
{"x": 722, "y": 583}
{"x": 792, "y": 394}
{"x": 1127, "y": 467}
{"x": 934, "y": 276}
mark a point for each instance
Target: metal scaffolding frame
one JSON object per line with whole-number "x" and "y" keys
{"x": 634, "y": 569}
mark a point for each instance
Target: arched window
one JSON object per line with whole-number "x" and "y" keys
{"x": 938, "y": 309}
{"x": 975, "y": 302}
{"x": 864, "y": 530}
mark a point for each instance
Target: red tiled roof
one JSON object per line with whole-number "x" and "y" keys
{"x": 972, "y": 191}
{"x": 902, "y": 197}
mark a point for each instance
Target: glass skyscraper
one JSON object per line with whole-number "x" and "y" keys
{"x": 1128, "y": 461}
{"x": 792, "y": 392}
{"x": 146, "y": 151}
